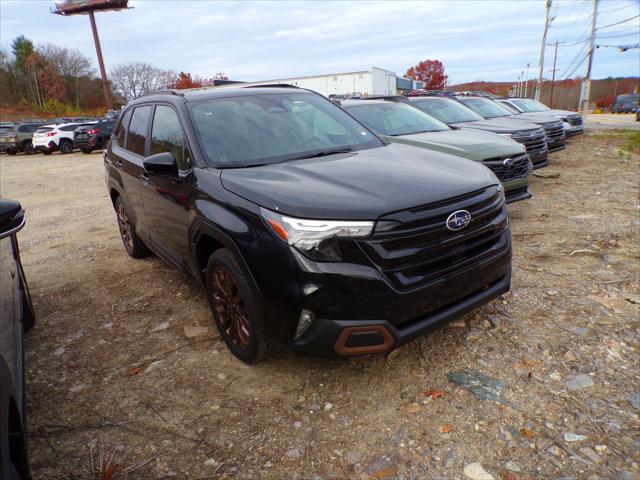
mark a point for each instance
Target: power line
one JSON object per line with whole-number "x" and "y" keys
{"x": 618, "y": 23}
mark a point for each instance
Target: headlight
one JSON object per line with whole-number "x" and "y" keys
{"x": 315, "y": 238}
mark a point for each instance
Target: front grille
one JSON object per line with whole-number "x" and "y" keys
{"x": 575, "y": 120}
{"x": 422, "y": 250}
{"x": 555, "y": 133}
{"x": 535, "y": 141}
{"x": 519, "y": 167}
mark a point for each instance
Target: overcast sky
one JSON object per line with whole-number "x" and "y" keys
{"x": 476, "y": 40}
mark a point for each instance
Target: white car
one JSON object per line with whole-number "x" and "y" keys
{"x": 49, "y": 138}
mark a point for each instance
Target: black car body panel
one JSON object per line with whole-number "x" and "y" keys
{"x": 16, "y": 315}
{"x": 410, "y": 273}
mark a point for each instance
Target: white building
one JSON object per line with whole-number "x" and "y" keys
{"x": 373, "y": 82}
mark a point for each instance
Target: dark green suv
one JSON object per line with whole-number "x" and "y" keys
{"x": 18, "y": 138}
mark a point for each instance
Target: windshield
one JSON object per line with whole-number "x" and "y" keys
{"x": 446, "y": 110}
{"x": 485, "y": 108}
{"x": 529, "y": 105}
{"x": 509, "y": 107}
{"x": 251, "y": 130}
{"x": 395, "y": 119}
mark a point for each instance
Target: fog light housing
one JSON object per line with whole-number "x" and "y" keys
{"x": 304, "y": 322}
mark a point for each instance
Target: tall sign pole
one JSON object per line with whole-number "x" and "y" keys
{"x": 553, "y": 77}
{"x": 542, "y": 48}
{"x": 526, "y": 83}
{"x": 585, "y": 91}
{"x": 103, "y": 73}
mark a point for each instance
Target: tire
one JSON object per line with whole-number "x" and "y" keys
{"x": 234, "y": 304}
{"x": 134, "y": 246}
{"x": 87, "y": 150}
{"x": 12, "y": 152}
{"x": 27, "y": 148}
{"x": 47, "y": 152}
{"x": 65, "y": 147}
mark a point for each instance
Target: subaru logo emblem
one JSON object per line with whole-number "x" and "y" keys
{"x": 458, "y": 220}
{"x": 508, "y": 162}
{"x": 531, "y": 135}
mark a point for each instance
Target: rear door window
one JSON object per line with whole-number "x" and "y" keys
{"x": 167, "y": 136}
{"x": 137, "y": 136}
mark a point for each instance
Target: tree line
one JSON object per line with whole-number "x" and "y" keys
{"x": 57, "y": 80}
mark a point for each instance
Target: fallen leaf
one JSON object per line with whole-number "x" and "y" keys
{"x": 505, "y": 475}
{"x": 529, "y": 361}
{"x": 134, "y": 371}
{"x": 386, "y": 472}
{"x": 526, "y": 433}
{"x": 412, "y": 408}
{"x": 433, "y": 394}
{"x": 446, "y": 429}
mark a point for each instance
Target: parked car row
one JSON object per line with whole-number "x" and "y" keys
{"x": 60, "y": 134}
{"x": 332, "y": 228}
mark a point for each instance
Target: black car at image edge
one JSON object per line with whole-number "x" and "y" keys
{"x": 16, "y": 316}
{"x": 306, "y": 229}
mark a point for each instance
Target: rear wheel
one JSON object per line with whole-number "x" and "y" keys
{"x": 46, "y": 152}
{"x": 235, "y": 310}
{"x": 66, "y": 146}
{"x": 12, "y": 152}
{"x": 27, "y": 147}
{"x": 87, "y": 150}
{"x": 134, "y": 246}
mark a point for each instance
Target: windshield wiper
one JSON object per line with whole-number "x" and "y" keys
{"x": 413, "y": 133}
{"x": 322, "y": 153}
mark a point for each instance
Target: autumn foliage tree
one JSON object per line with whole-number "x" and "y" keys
{"x": 430, "y": 72}
{"x": 185, "y": 81}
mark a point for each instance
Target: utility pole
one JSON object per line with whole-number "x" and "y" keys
{"x": 542, "y": 49}
{"x": 526, "y": 83}
{"x": 585, "y": 91}
{"x": 521, "y": 83}
{"x": 553, "y": 77}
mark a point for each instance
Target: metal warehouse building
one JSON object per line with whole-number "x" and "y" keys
{"x": 376, "y": 81}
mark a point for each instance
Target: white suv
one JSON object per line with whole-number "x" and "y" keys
{"x": 49, "y": 138}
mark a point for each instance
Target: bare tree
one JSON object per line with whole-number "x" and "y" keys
{"x": 130, "y": 80}
{"x": 69, "y": 63}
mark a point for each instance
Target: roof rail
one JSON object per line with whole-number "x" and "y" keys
{"x": 393, "y": 98}
{"x": 271, "y": 85}
{"x": 162, "y": 92}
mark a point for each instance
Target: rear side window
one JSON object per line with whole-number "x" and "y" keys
{"x": 167, "y": 136}
{"x": 121, "y": 132}
{"x": 27, "y": 128}
{"x": 137, "y": 137}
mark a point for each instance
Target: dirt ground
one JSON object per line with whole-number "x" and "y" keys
{"x": 119, "y": 378}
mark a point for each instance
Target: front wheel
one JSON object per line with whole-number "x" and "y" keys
{"x": 47, "y": 151}
{"x": 87, "y": 150}
{"x": 134, "y": 246}
{"x": 235, "y": 309}
{"x": 12, "y": 152}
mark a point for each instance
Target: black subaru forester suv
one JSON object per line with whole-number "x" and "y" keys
{"x": 305, "y": 228}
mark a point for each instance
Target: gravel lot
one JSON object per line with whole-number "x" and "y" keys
{"x": 126, "y": 373}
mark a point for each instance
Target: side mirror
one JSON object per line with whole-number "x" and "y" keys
{"x": 12, "y": 217}
{"x": 161, "y": 164}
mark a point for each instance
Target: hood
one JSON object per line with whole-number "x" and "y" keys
{"x": 472, "y": 144}
{"x": 497, "y": 125}
{"x": 360, "y": 185}
{"x": 562, "y": 113}
{"x": 537, "y": 118}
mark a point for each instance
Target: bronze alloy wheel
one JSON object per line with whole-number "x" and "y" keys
{"x": 125, "y": 226}
{"x": 232, "y": 315}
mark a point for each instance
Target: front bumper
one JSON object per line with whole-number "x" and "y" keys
{"x": 571, "y": 130}
{"x": 326, "y": 337}
{"x": 539, "y": 159}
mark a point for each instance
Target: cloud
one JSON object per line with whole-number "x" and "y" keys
{"x": 491, "y": 40}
